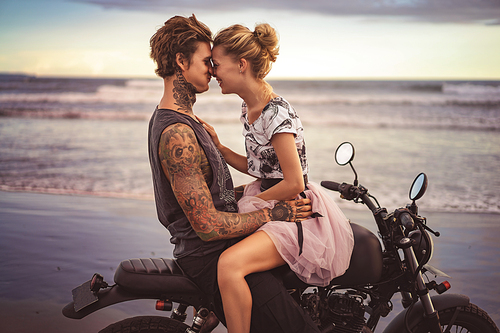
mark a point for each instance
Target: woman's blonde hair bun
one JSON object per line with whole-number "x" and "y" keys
{"x": 268, "y": 39}
{"x": 259, "y": 48}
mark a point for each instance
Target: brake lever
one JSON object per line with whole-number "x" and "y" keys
{"x": 435, "y": 233}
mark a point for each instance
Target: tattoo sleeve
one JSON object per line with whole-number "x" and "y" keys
{"x": 181, "y": 157}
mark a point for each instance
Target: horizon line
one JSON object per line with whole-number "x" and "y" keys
{"x": 312, "y": 78}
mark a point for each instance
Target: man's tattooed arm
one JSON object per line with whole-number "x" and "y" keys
{"x": 181, "y": 156}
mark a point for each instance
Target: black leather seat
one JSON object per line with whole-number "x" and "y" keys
{"x": 154, "y": 276}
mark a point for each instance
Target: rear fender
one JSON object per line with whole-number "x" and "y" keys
{"x": 117, "y": 294}
{"x": 440, "y": 302}
{"x": 106, "y": 297}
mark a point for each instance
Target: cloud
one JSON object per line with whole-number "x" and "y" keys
{"x": 425, "y": 10}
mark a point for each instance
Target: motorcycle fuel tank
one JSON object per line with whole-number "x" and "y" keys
{"x": 365, "y": 266}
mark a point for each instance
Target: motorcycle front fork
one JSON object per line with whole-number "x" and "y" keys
{"x": 430, "y": 314}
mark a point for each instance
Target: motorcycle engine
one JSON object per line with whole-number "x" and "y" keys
{"x": 342, "y": 313}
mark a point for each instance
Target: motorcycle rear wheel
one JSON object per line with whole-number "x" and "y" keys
{"x": 470, "y": 319}
{"x": 146, "y": 324}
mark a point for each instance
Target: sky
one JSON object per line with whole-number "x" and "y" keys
{"x": 319, "y": 39}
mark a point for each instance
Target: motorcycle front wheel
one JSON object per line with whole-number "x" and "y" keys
{"x": 146, "y": 324}
{"x": 469, "y": 319}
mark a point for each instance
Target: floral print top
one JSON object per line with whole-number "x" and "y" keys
{"x": 278, "y": 116}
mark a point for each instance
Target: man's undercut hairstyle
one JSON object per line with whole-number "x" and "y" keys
{"x": 178, "y": 35}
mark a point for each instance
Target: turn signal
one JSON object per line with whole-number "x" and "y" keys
{"x": 163, "y": 305}
{"x": 442, "y": 287}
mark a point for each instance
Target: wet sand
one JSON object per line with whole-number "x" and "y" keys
{"x": 49, "y": 244}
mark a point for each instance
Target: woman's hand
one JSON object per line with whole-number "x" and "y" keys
{"x": 237, "y": 161}
{"x": 210, "y": 129}
{"x": 291, "y": 211}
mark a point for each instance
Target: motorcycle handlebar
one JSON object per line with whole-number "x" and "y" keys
{"x": 350, "y": 192}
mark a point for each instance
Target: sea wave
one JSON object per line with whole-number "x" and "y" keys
{"x": 65, "y": 191}
{"x": 450, "y": 105}
{"x": 336, "y": 118}
{"x": 141, "y": 95}
{"x": 397, "y": 100}
{"x": 130, "y": 93}
{"x": 471, "y": 89}
{"x": 148, "y": 91}
{"x": 41, "y": 113}
{"x": 433, "y": 204}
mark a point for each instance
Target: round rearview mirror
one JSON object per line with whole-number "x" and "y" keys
{"x": 418, "y": 187}
{"x": 344, "y": 153}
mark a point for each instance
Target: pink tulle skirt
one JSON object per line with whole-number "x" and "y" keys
{"x": 328, "y": 240}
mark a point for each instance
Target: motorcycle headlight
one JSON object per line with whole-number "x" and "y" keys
{"x": 423, "y": 249}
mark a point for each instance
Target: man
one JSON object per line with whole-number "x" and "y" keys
{"x": 193, "y": 188}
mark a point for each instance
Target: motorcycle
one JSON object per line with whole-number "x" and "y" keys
{"x": 352, "y": 303}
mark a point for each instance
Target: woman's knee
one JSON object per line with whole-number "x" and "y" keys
{"x": 228, "y": 264}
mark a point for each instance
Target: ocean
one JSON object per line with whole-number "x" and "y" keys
{"x": 89, "y": 136}
{"x": 85, "y": 142}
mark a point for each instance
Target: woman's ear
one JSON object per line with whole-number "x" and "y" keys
{"x": 243, "y": 65}
{"x": 181, "y": 61}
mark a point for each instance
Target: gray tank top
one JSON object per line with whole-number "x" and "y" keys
{"x": 169, "y": 212}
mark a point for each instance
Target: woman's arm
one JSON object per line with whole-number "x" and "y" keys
{"x": 180, "y": 156}
{"x": 288, "y": 157}
{"x": 237, "y": 161}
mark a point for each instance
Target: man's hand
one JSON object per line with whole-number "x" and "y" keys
{"x": 291, "y": 211}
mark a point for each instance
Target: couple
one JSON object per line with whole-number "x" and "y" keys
{"x": 194, "y": 194}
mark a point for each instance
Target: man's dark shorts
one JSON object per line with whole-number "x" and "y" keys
{"x": 273, "y": 309}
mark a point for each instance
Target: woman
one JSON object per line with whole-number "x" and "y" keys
{"x": 318, "y": 249}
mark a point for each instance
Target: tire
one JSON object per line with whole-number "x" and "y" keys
{"x": 471, "y": 318}
{"x": 146, "y": 324}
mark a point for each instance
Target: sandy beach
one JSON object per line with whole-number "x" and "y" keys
{"x": 52, "y": 243}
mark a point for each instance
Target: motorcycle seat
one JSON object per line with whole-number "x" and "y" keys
{"x": 365, "y": 266}
{"x": 154, "y": 276}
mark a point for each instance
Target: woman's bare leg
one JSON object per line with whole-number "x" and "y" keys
{"x": 256, "y": 253}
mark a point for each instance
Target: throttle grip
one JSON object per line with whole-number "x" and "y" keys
{"x": 331, "y": 185}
